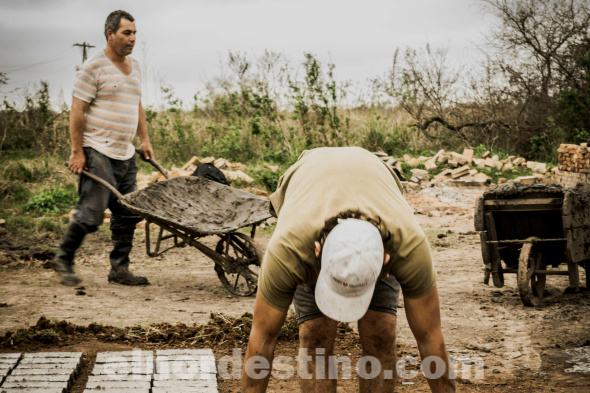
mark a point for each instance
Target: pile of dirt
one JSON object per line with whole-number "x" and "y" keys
{"x": 220, "y": 332}
{"x": 14, "y": 252}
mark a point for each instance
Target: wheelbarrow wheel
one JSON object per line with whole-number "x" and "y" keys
{"x": 531, "y": 286}
{"x": 245, "y": 256}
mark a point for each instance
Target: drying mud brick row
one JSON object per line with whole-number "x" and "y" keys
{"x": 8, "y": 362}
{"x": 185, "y": 370}
{"x": 127, "y": 371}
{"x": 174, "y": 371}
{"x": 44, "y": 371}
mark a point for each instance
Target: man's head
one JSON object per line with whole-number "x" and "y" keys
{"x": 352, "y": 256}
{"x": 119, "y": 30}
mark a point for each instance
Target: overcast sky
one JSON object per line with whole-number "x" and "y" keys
{"x": 183, "y": 42}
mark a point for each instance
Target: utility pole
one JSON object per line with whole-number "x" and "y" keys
{"x": 84, "y": 45}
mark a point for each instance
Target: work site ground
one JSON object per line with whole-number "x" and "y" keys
{"x": 521, "y": 349}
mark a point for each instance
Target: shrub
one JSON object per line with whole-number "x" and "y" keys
{"x": 51, "y": 200}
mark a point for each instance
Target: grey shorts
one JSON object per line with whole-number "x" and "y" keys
{"x": 385, "y": 299}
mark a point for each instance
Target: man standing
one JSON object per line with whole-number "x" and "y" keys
{"x": 106, "y": 115}
{"x": 345, "y": 240}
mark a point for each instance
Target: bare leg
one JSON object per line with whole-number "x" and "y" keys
{"x": 316, "y": 338}
{"x": 377, "y": 334}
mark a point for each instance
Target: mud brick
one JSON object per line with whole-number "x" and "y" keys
{"x": 120, "y": 378}
{"x": 135, "y": 355}
{"x": 55, "y": 355}
{"x": 49, "y": 366}
{"x": 41, "y": 371}
{"x": 143, "y": 367}
{"x": 192, "y": 377}
{"x": 40, "y": 361}
{"x": 116, "y": 390}
{"x": 10, "y": 356}
{"x": 181, "y": 390}
{"x": 35, "y": 385}
{"x": 118, "y": 385}
{"x": 190, "y": 352}
{"x": 46, "y": 378}
{"x": 468, "y": 155}
{"x": 177, "y": 369}
{"x": 31, "y": 390}
{"x": 186, "y": 384}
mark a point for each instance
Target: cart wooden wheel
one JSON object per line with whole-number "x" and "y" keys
{"x": 531, "y": 286}
{"x": 245, "y": 256}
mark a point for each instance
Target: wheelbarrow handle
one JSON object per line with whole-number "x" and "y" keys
{"x": 154, "y": 163}
{"x": 101, "y": 181}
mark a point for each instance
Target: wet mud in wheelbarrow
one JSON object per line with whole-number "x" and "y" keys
{"x": 197, "y": 205}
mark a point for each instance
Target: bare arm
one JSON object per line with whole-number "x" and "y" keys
{"x": 77, "y": 121}
{"x": 143, "y": 135}
{"x": 266, "y": 324}
{"x": 423, "y": 316}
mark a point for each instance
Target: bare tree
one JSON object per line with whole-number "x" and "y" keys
{"x": 534, "y": 37}
{"x": 534, "y": 50}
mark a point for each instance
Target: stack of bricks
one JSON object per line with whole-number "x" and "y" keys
{"x": 574, "y": 165}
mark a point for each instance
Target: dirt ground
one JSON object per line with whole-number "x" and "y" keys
{"x": 522, "y": 349}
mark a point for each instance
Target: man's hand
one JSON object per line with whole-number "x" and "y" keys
{"x": 77, "y": 163}
{"x": 423, "y": 316}
{"x": 148, "y": 152}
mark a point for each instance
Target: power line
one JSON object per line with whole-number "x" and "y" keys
{"x": 84, "y": 45}
{"x": 26, "y": 66}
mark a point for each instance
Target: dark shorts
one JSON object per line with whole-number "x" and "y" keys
{"x": 385, "y": 299}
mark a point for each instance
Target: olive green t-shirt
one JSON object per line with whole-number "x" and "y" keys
{"x": 321, "y": 184}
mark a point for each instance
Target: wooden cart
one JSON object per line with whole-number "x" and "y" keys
{"x": 531, "y": 228}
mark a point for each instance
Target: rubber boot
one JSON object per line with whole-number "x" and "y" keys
{"x": 63, "y": 263}
{"x": 120, "y": 274}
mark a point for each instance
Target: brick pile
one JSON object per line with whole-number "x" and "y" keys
{"x": 574, "y": 165}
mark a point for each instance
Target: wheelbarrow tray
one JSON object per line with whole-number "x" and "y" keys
{"x": 198, "y": 206}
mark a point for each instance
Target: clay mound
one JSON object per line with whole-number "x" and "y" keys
{"x": 198, "y": 205}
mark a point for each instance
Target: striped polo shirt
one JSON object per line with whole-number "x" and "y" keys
{"x": 113, "y": 114}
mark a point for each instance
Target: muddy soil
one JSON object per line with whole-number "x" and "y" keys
{"x": 522, "y": 349}
{"x": 201, "y": 206}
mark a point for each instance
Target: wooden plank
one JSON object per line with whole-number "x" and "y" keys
{"x": 485, "y": 253}
{"x": 566, "y": 211}
{"x": 478, "y": 216}
{"x": 496, "y": 261}
{"x": 523, "y": 204}
{"x": 578, "y": 240}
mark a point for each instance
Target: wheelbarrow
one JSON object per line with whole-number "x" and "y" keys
{"x": 533, "y": 229}
{"x": 187, "y": 209}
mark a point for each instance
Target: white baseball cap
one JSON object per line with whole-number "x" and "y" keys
{"x": 352, "y": 259}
